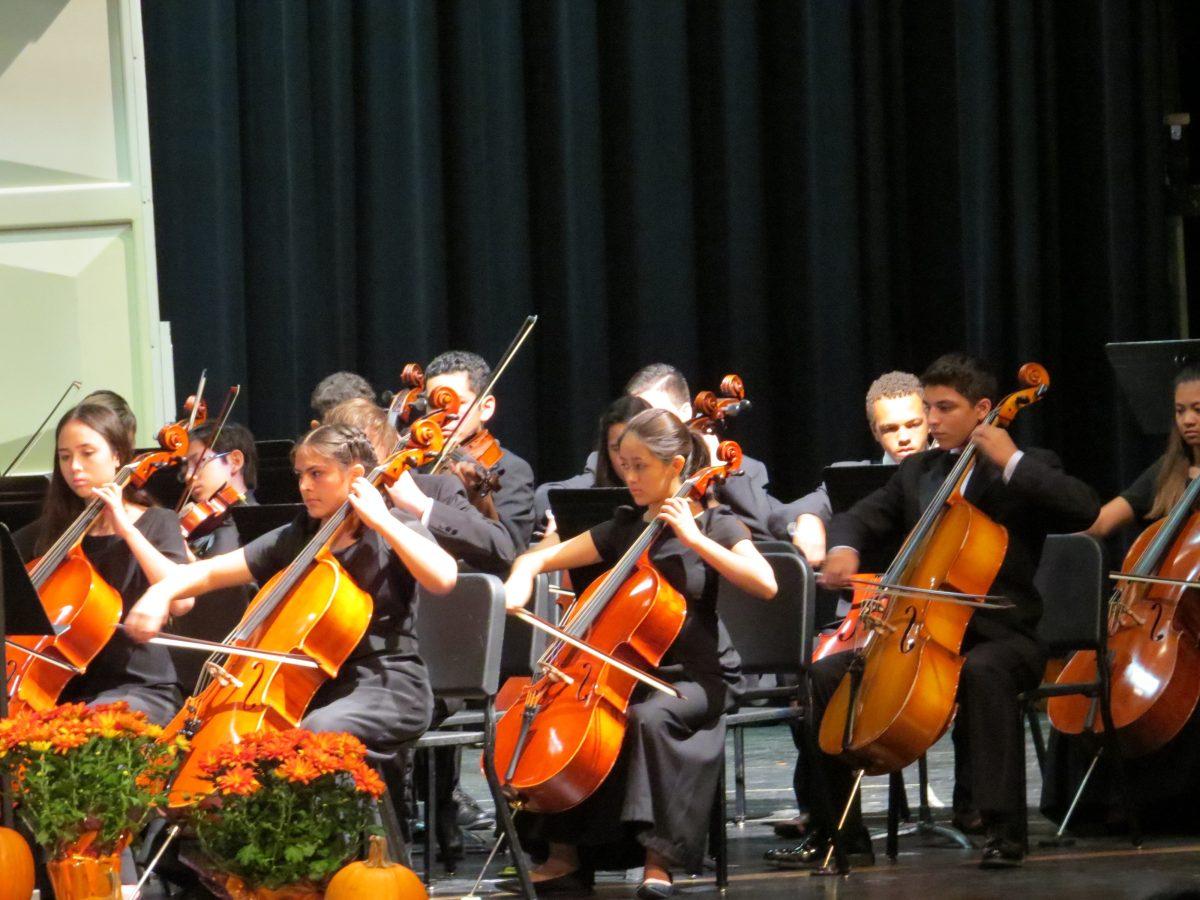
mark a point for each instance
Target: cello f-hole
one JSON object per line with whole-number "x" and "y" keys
{"x": 908, "y": 640}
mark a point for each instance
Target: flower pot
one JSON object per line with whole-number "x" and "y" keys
{"x": 78, "y": 877}
{"x": 238, "y": 890}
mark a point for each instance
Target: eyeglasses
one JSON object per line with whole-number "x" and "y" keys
{"x": 189, "y": 470}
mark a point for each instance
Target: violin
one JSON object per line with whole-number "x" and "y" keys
{"x": 900, "y": 693}
{"x": 299, "y": 629}
{"x": 557, "y": 745}
{"x": 711, "y": 411}
{"x": 1153, "y": 640}
{"x": 202, "y": 517}
{"x": 84, "y": 609}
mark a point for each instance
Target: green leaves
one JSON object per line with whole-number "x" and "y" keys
{"x": 285, "y": 832}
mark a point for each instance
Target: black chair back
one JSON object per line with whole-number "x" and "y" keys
{"x": 772, "y": 635}
{"x": 1072, "y": 580}
{"x": 460, "y": 637}
{"x": 524, "y": 644}
{"x": 21, "y": 499}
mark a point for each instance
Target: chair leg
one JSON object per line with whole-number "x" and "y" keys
{"x": 430, "y": 812}
{"x": 739, "y": 775}
{"x": 1035, "y": 731}
{"x": 504, "y": 814}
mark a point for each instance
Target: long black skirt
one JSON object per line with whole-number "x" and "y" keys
{"x": 660, "y": 792}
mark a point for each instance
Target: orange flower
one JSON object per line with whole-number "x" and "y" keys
{"x": 368, "y": 781}
{"x": 298, "y": 769}
{"x": 238, "y": 780}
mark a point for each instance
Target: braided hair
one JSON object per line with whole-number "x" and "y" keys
{"x": 345, "y": 444}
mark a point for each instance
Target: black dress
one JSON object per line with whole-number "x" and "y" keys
{"x": 1165, "y": 804}
{"x": 381, "y": 695}
{"x": 143, "y": 675}
{"x": 661, "y": 789}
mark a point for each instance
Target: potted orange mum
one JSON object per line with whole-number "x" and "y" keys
{"x": 288, "y": 809}
{"x": 85, "y": 780}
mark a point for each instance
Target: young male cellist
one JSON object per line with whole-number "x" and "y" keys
{"x": 1028, "y": 493}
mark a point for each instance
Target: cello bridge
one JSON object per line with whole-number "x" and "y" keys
{"x": 556, "y": 673}
{"x": 222, "y": 675}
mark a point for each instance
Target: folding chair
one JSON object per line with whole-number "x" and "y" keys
{"x": 784, "y": 646}
{"x": 460, "y": 636}
{"x": 1072, "y": 580}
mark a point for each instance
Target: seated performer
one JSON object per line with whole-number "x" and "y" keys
{"x": 1166, "y": 804}
{"x": 337, "y": 388}
{"x": 131, "y": 546}
{"x": 653, "y": 807}
{"x": 438, "y": 501}
{"x": 381, "y": 694}
{"x": 215, "y": 462}
{"x": 896, "y": 417}
{"x": 603, "y": 466}
{"x": 664, "y": 387}
{"x": 1026, "y": 492}
{"x": 467, "y": 374}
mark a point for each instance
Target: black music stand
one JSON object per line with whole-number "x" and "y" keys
{"x": 578, "y": 509}
{"x": 1144, "y": 370}
{"x": 21, "y": 612}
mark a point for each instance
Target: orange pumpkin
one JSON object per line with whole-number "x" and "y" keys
{"x": 16, "y": 865}
{"x": 378, "y": 878}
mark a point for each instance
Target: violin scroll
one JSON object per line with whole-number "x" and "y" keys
{"x": 711, "y": 410}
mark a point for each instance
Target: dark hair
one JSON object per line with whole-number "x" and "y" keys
{"x": 118, "y": 404}
{"x": 963, "y": 373}
{"x": 619, "y": 412}
{"x": 232, "y": 437}
{"x": 339, "y": 386}
{"x": 666, "y": 437}
{"x": 369, "y": 418}
{"x": 1173, "y": 473}
{"x": 344, "y": 444}
{"x": 452, "y": 361}
{"x": 62, "y": 505}
{"x": 660, "y": 377}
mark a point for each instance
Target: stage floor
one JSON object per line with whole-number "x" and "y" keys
{"x": 927, "y": 867}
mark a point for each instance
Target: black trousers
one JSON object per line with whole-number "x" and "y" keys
{"x": 989, "y": 735}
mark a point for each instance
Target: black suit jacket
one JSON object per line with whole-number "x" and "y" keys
{"x": 1039, "y": 499}
{"x": 462, "y": 530}
{"x": 514, "y": 500}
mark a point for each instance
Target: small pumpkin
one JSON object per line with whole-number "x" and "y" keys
{"x": 378, "y": 878}
{"x": 16, "y": 865}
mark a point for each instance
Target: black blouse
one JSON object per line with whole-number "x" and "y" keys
{"x": 372, "y": 564}
{"x": 122, "y": 661}
{"x": 1140, "y": 494}
{"x": 695, "y": 653}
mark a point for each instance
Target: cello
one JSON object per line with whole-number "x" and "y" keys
{"x": 899, "y": 695}
{"x": 1153, "y": 642}
{"x": 299, "y": 629}
{"x": 556, "y": 746}
{"x": 84, "y": 609}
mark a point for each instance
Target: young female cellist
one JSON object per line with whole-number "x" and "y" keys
{"x": 1169, "y": 803}
{"x": 381, "y": 694}
{"x": 653, "y": 807}
{"x": 131, "y": 546}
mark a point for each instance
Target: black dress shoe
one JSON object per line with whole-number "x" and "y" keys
{"x": 810, "y": 853}
{"x": 470, "y": 814}
{"x": 968, "y": 822}
{"x": 577, "y": 882}
{"x": 1002, "y": 853}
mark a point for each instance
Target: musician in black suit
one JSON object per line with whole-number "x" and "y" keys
{"x": 896, "y": 417}
{"x": 467, "y": 375}
{"x": 1028, "y": 493}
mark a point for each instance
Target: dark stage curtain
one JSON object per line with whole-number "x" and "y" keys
{"x": 806, "y": 193}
